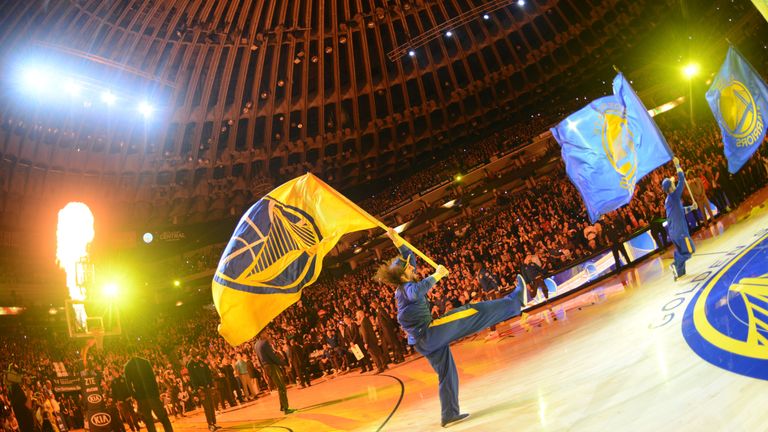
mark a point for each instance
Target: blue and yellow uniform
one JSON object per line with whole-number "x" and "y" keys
{"x": 431, "y": 338}
{"x": 677, "y": 226}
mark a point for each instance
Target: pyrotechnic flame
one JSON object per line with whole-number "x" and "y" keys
{"x": 73, "y": 234}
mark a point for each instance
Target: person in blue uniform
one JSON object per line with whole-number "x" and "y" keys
{"x": 677, "y": 226}
{"x": 431, "y": 337}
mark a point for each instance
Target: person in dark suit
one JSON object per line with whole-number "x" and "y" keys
{"x": 615, "y": 233}
{"x": 370, "y": 341}
{"x": 389, "y": 333}
{"x": 202, "y": 382}
{"x": 122, "y": 397}
{"x": 356, "y": 338}
{"x": 298, "y": 360}
{"x": 272, "y": 363}
{"x": 142, "y": 386}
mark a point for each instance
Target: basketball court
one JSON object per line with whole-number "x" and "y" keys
{"x": 636, "y": 352}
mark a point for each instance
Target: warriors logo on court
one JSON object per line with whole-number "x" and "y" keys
{"x": 726, "y": 322}
{"x": 269, "y": 235}
{"x": 619, "y": 145}
{"x": 740, "y": 114}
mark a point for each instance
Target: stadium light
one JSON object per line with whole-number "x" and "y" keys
{"x": 449, "y": 33}
{"x": 35, "y": 79}
{"x": 108, "y": 97}
{"x": 177, "y": 283}
{"x": 521, "y": 3}
{"x": 486, "y": 17}
{"x": 111, "y": 290}
{"x": 691, "y": 70}
{"x": 145, "y": 109}
{"x": 411, "y": 53}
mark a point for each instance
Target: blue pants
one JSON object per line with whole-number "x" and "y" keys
{"x": 452, "y": 326}
{"x": 684, "y": 249}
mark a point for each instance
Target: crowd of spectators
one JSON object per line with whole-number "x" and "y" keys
{"x": 445, "y": 169}
{"x": 534, "y": 232}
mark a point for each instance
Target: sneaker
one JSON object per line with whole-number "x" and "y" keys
{"x": 492, "y": 335}
{"x": 458, "y": 418}
{"x": 289, "y": 411}
{"x": 674, "y": 271}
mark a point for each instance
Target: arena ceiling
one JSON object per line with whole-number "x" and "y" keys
{"x": 128, "y": 96}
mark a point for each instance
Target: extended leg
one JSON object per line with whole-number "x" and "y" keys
{"x": 468, "y": 320}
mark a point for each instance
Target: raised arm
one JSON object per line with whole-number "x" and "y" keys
{"x": 678, "y": 193}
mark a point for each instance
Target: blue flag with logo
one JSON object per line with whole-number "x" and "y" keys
{"x": 608, "y": 146}
{"x": 738, "y": 99}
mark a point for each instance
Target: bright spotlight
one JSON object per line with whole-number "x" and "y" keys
{"x": 111, "y": 290}
{"x": 521, "y": 2}
{"x": 148, "y": 237}
{"x": 108, "y": 97}
{"x": 458, "y": 177}
{"x": 145, "y": 109}
{"x": 35, "y": 79}
{"x": 486, "y": 17}
{"x": 72, "y": 88}
{"x": 449, "y": 33}
{"x": 691, "y": 70}
{"x": 411, "y": 53}
{"x": 177, "y": 283}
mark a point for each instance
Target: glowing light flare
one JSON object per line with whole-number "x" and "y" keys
{"x": 35, "y": 80}
{"x": 146, "y": 109}
{"x": 108, "y": 97}
{"x": 110, "y": 290}
{"x": 690, "y": 70}
{"x": 74, "y": 233}
{"x": 177, "y": 283}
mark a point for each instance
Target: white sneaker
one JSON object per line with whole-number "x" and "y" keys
{"x": 674, "y": 270}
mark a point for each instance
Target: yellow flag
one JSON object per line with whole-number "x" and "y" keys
{"x": 762, "y": 6}
{"x": 276, "y": 250}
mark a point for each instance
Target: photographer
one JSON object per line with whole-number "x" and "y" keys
{"x": 21, "y": 399}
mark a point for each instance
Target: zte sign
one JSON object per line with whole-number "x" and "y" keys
{"x": 101, "y": 419}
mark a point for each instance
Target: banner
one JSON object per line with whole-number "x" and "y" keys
{"x": 608, "y": 146}
{"x": 276, "y": 250}
{"x": 738, "y": 99}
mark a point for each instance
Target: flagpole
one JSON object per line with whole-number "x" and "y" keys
{"x": 377, "y": 222}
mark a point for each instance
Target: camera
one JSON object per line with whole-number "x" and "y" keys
{"x": 13, "y": 375}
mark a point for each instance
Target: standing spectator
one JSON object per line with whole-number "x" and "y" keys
{"x": 202, "y": 382}
{"x": 241, "y": 367}
{"x": 142, "y": 385}
{"x": 272, "y": 364}
{"x": 21, "y": 402}
{"x": 370, "y": 341}
{"x": 296, "y": 358}
{"x": 357, "y": 339}
{"x": 615, "y": 233}
{"x": 389, "y": 333}
{"x": 122, "y": 396}
{"x": 704, "y": 213}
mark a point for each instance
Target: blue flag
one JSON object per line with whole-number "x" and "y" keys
{"x": 608, "y": 146}
{"x": 738, "y": 99}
